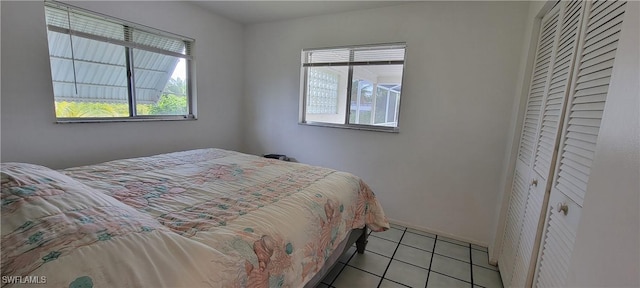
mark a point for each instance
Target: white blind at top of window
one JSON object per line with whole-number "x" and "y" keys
{"x": 362, "y": 55}
{"x": 70, "y": 20}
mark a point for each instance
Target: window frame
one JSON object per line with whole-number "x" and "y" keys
{"x": 350, "y": 64}
{"x": 129, "y": 46}
{"x": 387, "y": 105}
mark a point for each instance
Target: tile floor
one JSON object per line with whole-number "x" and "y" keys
{"x": 402, "y": 257}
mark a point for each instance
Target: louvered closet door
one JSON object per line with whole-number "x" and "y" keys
{"x": 570, "y": 17}
{"x": 524, "y": 163}
{"x": 597, "y": 49}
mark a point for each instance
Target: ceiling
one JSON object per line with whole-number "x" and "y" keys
{"x": 250, "y": 12}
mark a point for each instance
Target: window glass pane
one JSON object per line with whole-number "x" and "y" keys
{"x": 326, "y": 94}
{"x": 160, "y": 84}
{"x": 322, "y": 91}
{"x": 361, "y": 101}
{"x": 98, "y": 88}
{"x": 386, "y": 79}
{"x": 391, "y": 110}
{"x": 381, "y": 105}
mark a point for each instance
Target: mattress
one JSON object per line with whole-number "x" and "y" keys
{"x": 198, "y": 218}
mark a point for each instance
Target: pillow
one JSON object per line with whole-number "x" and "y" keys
{"x": 23, "y": 174}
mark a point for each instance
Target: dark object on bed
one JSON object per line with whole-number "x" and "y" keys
{"x": 277, "y": 156}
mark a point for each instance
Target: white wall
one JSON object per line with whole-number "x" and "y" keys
{"x": 442, "y": 172}
{"x": 28, "y": 130}
{"x": 607, "y": 248}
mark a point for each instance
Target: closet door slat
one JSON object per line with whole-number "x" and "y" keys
{"x": 557, "y": 242}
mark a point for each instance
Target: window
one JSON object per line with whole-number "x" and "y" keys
{"x": 107, "y": 69}
{"x": 323, "y": 92}
{"x": 353, "y": 87}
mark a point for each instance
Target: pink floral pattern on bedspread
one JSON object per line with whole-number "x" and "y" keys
{"x": 271, "y": 223}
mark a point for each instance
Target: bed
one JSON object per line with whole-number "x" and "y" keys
{"x": 198, "y": 218}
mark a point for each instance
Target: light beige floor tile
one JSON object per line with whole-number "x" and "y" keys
{"x": 352, "y": 277}
{"x": 438, "y": 280}
{"x": 381, "y": 246}
{"x": 418, "y": 241}
{"x": 486, "y": 278}
{"x": 481, "y": 258}
{"x": 452, "y": 250}
{"x": 407, "y": 274}
{"x": 370, "y": 262}
{"x": 391, "y": 234}
{"x": 413, "y": 256}
{"x": 451, "y": 267}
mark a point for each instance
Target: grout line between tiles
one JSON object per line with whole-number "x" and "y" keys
{"x": 416, "y": 247}
{"x": 414, "y": 265}
{"x": 377, "y": 253}
{"x": 368, "y": 272}
{"x": 403, "y": 244}
{"x": 429, "y": 270}
{"x": 471, "y": 263}
{"x": 451, "y": 257}
{"x": 394, "y": 254}
{"x": 431, "y": 261}
{"x": 395, "y": 282}
{"x": 414, "y": 233}
{"x": 384, "y": 238}
{"x": 465, "y": 281}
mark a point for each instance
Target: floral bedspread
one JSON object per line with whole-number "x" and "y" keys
{"x": 199, "y": 218}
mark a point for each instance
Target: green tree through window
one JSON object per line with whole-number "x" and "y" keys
{"x": 172, "y": 101}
